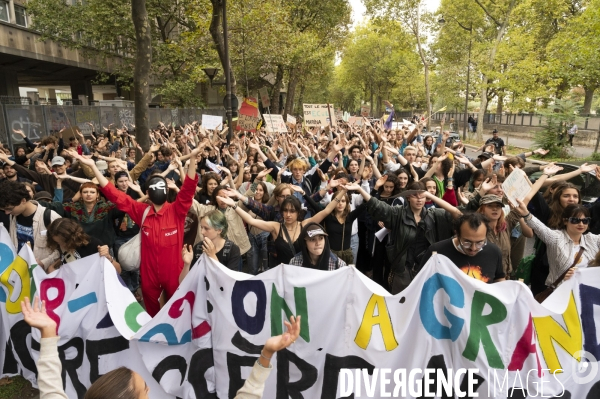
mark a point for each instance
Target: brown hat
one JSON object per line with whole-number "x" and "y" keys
{"x": 43, "y": 195}
{"x": 490, "y": 199}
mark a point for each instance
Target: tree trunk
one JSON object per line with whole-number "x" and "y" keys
{"x": 141, "y": 75}
{"x": 500, "y": 106}
{"x": 300, "y": 109}
{"x": 277, "y": 90}
{"x": 490, "y": 64}
{"x": 589, "y": 97}
{"x": 217, "y": 35}
{"x": 291, "y": 92}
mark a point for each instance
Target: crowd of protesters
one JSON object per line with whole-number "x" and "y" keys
{"x": 379, "y": 198}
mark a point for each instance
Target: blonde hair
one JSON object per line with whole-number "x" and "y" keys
{"x": 298, "y": 163}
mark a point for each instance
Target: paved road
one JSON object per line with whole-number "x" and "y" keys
{"x": 580, "y": 152}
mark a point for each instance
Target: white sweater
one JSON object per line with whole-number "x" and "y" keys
{"x": 50, "y": 381}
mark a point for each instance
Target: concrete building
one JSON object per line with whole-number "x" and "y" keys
{"x": 43, "y": 71}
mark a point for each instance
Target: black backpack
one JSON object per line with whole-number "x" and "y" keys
{"x": 47, "y": 217}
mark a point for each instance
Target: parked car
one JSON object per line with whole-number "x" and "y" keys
{"x": 587, "y": 183}
{"x": 454, "y": 137}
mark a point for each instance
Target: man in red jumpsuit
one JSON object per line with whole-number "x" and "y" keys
{"x": 162, "y": 230}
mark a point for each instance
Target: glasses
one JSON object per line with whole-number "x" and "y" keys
{"x": 468, "y": 244}
{"x": 585, "y": 221}
{"x": 283, "y": 196}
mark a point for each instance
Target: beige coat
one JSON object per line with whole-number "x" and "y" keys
{"x": 40, "y": 251}
{"x": 235, "y": 231}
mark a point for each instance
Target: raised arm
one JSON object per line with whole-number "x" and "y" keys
{"x": 454, "y": 211}
{"x": 271, "y": 227}
{"x": 549, "y": 170}
{"x": 318, "y": 218}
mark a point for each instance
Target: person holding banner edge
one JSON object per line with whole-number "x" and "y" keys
{"x": 123, "y": 382}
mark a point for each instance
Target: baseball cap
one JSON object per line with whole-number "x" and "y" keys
{"x": 58, "y": 160}
{"x": 101, "y": 165}
{"x": 315, "y": 230}
{"x": 43, "y": 195}
{"x": 486, "y": 155}
{"x": 490, "y": 199}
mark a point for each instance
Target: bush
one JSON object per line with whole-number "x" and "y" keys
{"x": 554, "y": 135}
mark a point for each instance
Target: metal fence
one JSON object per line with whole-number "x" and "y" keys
{"x": 38, "y": 121}
{"x": 584, "y": 122}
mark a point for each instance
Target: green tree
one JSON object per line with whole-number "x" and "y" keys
{"x": 576, "y": 50}
{"x": 378, "y": 63}
{"x": 415, "y": 21}
{"x": 553, "y": 136}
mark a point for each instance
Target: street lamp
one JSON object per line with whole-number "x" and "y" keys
{"x": 442, "y": 21}
{"x": 211, "y": 73}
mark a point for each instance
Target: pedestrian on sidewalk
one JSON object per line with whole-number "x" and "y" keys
{"x": 497, "y": 142}
{"x": 572, "y": 131}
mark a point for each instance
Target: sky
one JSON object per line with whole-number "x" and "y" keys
{"x": 358, "y": 9}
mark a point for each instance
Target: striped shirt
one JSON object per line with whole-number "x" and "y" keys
{"x": 561, "y": 248}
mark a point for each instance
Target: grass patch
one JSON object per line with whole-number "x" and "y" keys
{"x": 16, "y": 388}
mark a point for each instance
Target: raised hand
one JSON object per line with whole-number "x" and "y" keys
{"x": 279, "y": 342}
{"x": 261, "y": 175}
{"x": 226, "y": 200}
{"x": 551, "y": 169}
{"x": 522, "y": 208}
{"x": 38, "y": 318}
{"x": 587, "y": 167}
{"x": 381, "y": 181}
{"x": 187, "y": 254}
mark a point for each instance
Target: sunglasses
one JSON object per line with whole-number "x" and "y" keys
{"x": 585, "y": 221}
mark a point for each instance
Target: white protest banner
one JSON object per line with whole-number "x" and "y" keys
{"x": 319, "y": 115}
{"x": 212, "y": 122}
{"x": 365, "y": 110}
{"x": 445, "y": 333}
{"x": 516, "y": 186}
{"x": 264, "y": 97}
{"x": 290, "y": 120}
{"x": 274, "y": 123}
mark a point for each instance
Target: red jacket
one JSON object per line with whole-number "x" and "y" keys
{"x": 162, "y": 232}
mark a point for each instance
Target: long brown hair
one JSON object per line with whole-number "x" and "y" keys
{"x": 117, "y": 384}
{"x": 265, "y": 197}
{"x": 71, "y": 232}
{"x": 555, "y": 221}
{"x": 346, "y": 210}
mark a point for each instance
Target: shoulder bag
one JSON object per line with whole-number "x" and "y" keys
{"x": 130, "y": 253}
{"x": 549, "y": 290}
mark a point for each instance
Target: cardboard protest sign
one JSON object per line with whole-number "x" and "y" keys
{"x": 491, "y": 337}
{"x": 516, "y": 186}
{"x": 290, "y": 120}
{"x": 319, "y": 115}
{"x": 275, "y": 123}
{"x": 355, "y": 121}
{"x": 212, "y": 122}
{"x": 264, "y": 97}
{"x": 249, "y": 116}
{"x": 365, "y": 110}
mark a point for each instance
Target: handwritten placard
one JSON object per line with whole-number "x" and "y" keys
{"x": 275, "y": 124}
{"x": 516, "y": 186}
{"x": 319, "y": 115}
{"x": 211, "y": 122}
